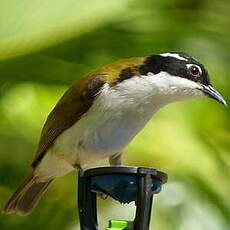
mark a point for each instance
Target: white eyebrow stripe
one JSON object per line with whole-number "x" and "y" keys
{"x": 177, "y": 56}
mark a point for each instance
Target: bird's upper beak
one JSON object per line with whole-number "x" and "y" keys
{"x": 211, "y": 92}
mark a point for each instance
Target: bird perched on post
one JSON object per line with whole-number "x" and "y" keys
{"x": 102, "y": 112}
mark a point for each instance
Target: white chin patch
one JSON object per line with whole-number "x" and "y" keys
{"x": 176, "y": 88}
{"x": 177, "y": 56}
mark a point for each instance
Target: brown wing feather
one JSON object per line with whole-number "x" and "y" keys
{"x": 73, "y": 104}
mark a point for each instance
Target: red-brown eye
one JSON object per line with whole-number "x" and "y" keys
{"x": 194, "y": 70}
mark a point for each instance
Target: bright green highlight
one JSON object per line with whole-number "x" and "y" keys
{"x": 118, "y": 224}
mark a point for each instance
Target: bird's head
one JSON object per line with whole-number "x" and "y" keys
{"x": 182, "y": 76}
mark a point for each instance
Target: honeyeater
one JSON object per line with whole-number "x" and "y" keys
{"x": 102, "y": 112}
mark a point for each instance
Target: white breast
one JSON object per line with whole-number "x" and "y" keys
{"x": 116, "y": 116}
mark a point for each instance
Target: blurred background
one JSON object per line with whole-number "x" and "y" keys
{"x": 46, "y": 45}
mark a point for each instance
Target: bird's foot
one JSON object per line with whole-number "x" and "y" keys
{"x": 101, "y": 195}
{"x": 115, "y": 159}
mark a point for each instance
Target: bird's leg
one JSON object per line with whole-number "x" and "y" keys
{"x": 115, "y": 159}
{"x": 77, "y": 166}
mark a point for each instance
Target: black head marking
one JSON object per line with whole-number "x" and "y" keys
{"x": 126, "y": 73}
{"x": 176, "y": 64}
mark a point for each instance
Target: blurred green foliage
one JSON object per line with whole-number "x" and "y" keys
{"x": 46, "y": 45}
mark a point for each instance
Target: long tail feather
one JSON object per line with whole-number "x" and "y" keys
{"x": 26, "y": 196}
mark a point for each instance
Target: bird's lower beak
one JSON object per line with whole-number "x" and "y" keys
{"x": 211, "y": 92}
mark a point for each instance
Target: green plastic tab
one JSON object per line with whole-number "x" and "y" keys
{"x": 118, "y": 224}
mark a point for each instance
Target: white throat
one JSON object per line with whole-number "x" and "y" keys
{"x": 154, "y": 90}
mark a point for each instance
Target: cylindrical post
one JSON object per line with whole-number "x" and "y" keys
{"x": 87, "y": 204}
{"x": 144, "y": 205}
{"x": 144, "y": 199}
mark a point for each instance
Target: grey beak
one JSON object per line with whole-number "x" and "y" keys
{"x": 211, "y": 92}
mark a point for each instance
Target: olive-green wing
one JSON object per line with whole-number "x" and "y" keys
{"x": 74, "y": 103}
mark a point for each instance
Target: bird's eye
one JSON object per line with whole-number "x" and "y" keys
{"x": 194, "y": 70}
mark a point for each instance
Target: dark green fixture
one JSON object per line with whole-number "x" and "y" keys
{"x": 124, "y": 184}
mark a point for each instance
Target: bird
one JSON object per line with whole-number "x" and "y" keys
{"x": 99, "y": 115}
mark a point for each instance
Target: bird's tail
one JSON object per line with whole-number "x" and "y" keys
{"x": 26, "y": 196}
